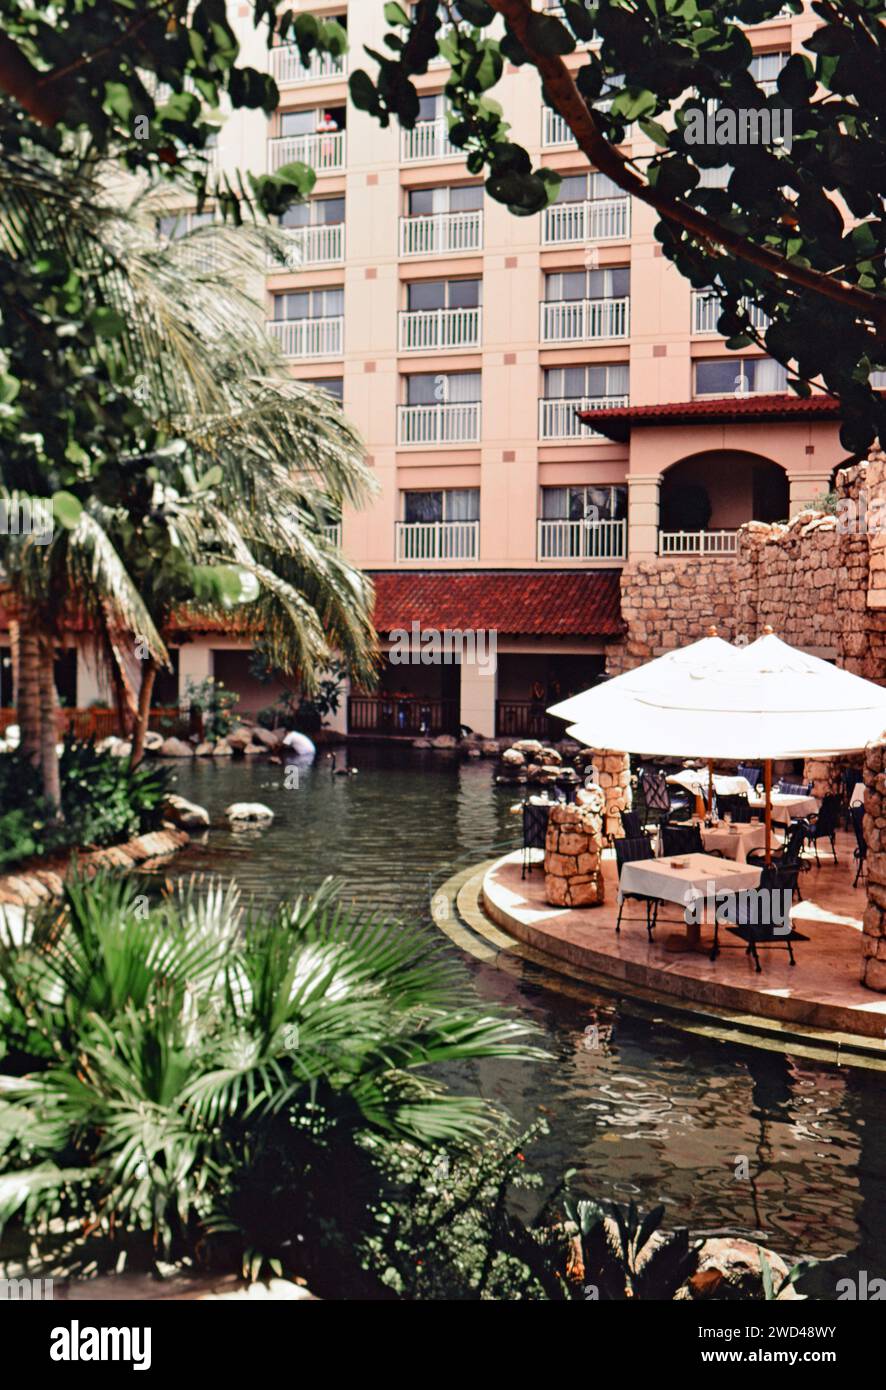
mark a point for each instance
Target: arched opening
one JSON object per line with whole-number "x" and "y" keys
{"x": 711, "y": 494}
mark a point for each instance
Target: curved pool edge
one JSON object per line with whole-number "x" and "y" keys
{"x": 470, "y": 913}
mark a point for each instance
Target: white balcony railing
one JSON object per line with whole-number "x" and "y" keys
{"x": 582, "y": 540}
{"x": 584, "y": 320}
{"x": 428, "y": 329}
{"x": 554, "y": 129}
{"x": 288, "y": 69}
{"x": 427, "y": 140}
{"x": 558, "y": 418}
{"x": 333, "y": 533}
{"x": 598, "y": 219}
{"x": 322, "y": 245}
{"x": 706, "y": 311}
{"x": 441, "y": 233}
{"x": 441, "y": 423}
{"x": 309, "y": 337}
{"x": 697, "y": 542}
{"x": 437, "y": 540}
{"x": 324, "y": 152}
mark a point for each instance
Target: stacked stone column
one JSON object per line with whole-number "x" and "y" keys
{"x": 573, "y": 849}
{"x": 873, "y": 972}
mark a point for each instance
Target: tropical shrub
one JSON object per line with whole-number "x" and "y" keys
{"x": 214, "y": 702}
{"x": 197, "y": 1081}
{"x": 103, "y": 801}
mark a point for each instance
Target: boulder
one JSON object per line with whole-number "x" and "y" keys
{"x": 249, "y": 813}
{"x": 184, "y": 813}
{"x": 443, "y": 741}
{"x": 513, "y": 758}
{"x": 252, "y": 749}
{"x": 12, "y": 736}
{"x": 474, "y": 753}
{"x": 550, "y": 756}
{"x": 239, "y": 738}
{"x": 422, "y": 743}
{"x": 489, "y": 748}
{"x": 222, "y": 749}
{"x": 176, "y": 748}
{"x": 269, "y": 738}
{"x": 153, "y": 741}
{"x": 204, "y": 750}
{"x": 528, "y": 745}
{"x": 729, "y": 1268}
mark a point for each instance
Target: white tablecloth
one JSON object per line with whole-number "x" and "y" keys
{"x": 702, "y": 875}
{"x": 695, "y": 780}
{"x": 734, "y": 841}
{"x": 857, "y": 794}
{"x": 785, "y": 808}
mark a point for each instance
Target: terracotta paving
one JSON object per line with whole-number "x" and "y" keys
{"x": 822, "y": 991}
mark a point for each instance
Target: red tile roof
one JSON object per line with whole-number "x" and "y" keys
{"x": 543, "y": 603}
{"x": 616, "y": 423}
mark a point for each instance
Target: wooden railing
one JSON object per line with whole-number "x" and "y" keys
{"x": 103, "y": 723}
{"x": 526, "y": 719}
{"x": 407, "y": 715}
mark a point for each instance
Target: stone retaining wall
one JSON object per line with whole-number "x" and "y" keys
{"x": 32, "y": 886}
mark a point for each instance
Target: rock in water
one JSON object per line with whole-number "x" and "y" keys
{"x": 299, "y": 743}
{"x": 185, "y": 813}
{"x": 249, "y": 812}
{"x": 176, "y": 748}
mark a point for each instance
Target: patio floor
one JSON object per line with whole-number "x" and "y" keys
{"x": 822, "y": 992}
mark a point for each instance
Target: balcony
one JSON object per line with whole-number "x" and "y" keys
{"x": 441, "y": 423}
{"x": 603, "y": 541}
{"x": 437, "y": 540}
{"x": 441, "y": 233}
{"x": 333, "y": 533}
{"x": 585, "y": 320}
{"x": 558, "y": 418}
{"x": 309, "y": 337}
{"x": 427, "y": 140}
{"x": 706, "y": 311}
{"x": 554, "y": 129}
{"x": 324, "y": 245}
{"x": 288, "y": 70}
{"x": 597, "y": 219}
{"x": 429, "y": 330}
{"x": 409, "y": 715}
{"x": 324, "y": 152}
{"x": 703, "y": 543}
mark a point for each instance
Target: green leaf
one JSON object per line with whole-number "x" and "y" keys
{"x": 363, "y": 91}
{"x": 66, "y": 509}
{"x": 395, "y": 14}
{"x": 107, "y": 323}
{"x": 549, "y": 36}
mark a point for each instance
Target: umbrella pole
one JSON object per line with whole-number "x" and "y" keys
{"x": 710, "y": 789}
{"x": 767, "y": 793}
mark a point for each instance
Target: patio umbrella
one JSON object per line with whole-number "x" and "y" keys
{"x": 767, "y": 700}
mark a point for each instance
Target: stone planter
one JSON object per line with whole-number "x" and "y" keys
{"x": 573, "y": 869}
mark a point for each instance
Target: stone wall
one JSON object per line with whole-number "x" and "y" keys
{"x": 819, "y": 581}
{"x": 573, "y": 874}
{"x": 874, "y": 938}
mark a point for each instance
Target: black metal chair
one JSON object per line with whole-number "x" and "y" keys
{"x": 787, "y": 860}
{"x": 680, "y": 839}
{"x": 628, "y": 851}
{"x": 535, "y": 830}
{"x": 750, "y": 905}
{"x": 735, "y": 805}
{"x": 751, "y": 774}
{"x": 860, "y": 853}
{"x": 632, "y": 824}
{"x": 823, "y": 826}
{"x": 850, "y": 779}
{"x": 658, "y": 797}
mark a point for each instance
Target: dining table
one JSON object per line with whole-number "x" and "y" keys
{"x": 786, "y": 806}
{"x": 685, "y": 879}
{"x": 695, "y": 780}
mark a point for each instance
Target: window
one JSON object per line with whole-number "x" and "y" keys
{"x": 178, "y": 224}
{"x": 309, "y": 304}
{"x": 422, "y": 202}
{"x": 738, "y": 376}
{"x": 588, "y": 284}
{"x": 443, "y": 294}
{"x": 576, "y": 383}
{"x": 580, "y": 188}
{"x": 765, "y": 67}
{"x": 431, "y": 108}
{"x": 313, "y": 122}
{"x": 317, "y": 212}
{"x": 584, "y": 503}
{"x": 333, "y": 385}
{"x": 442, "y": 388}
{"x": 451, "y": 504}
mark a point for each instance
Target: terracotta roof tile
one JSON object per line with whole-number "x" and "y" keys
{"x": 550, "y": 603}
{"x": 616, "y": 423}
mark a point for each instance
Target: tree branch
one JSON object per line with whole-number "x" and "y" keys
{"x": 22, "y": 81}
{"x": 562, "y": 92}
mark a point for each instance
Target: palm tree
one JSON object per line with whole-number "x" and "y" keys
{"x": 236, "y": 467}
{"x": 166, "y": 1058}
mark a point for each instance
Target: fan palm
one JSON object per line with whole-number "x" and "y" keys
{"x": 165, "y": 1055}
{"x": 231, "y": 471}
